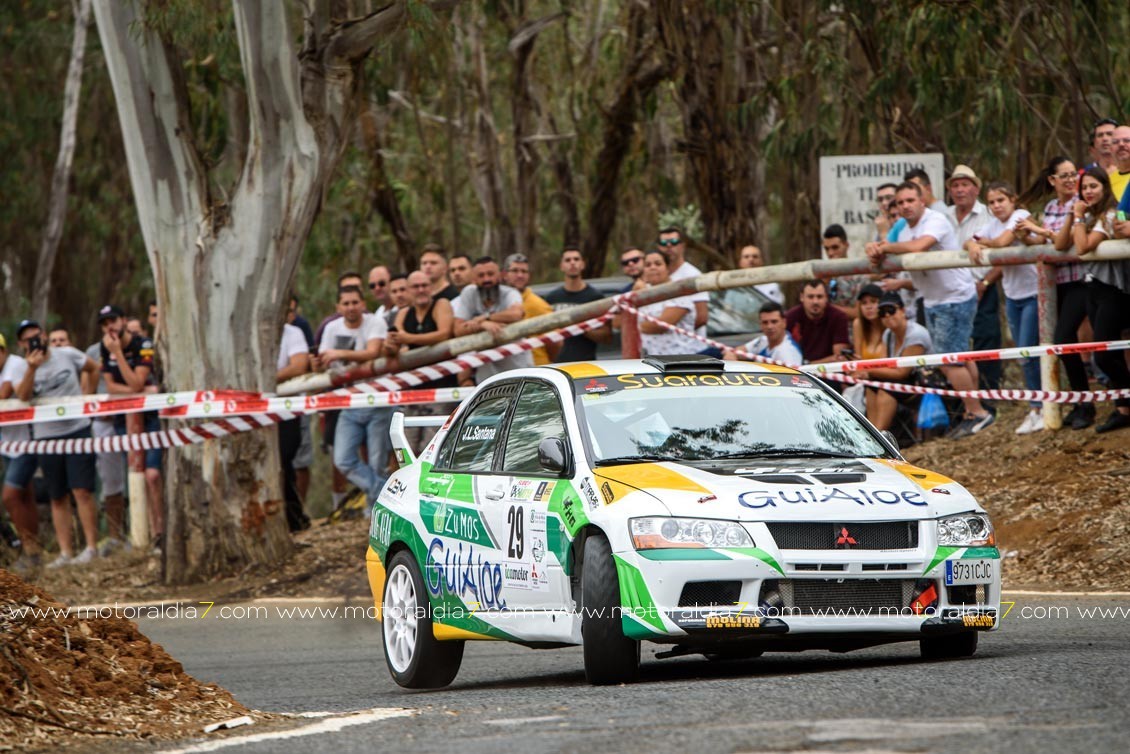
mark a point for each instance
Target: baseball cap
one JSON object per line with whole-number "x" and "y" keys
{"x": 24, "y": 325}
{"x": 966, "y": 172}
{"x": 870, "y": 290}
{"x": 109, "y": 311}
{"x": 890, "y": 300}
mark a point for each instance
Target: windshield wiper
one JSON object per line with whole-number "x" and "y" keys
{"x": 641, "y": 458}
{"x": 785, "y": 452}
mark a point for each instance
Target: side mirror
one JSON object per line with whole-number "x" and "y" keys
{"x": 551, "y": 455}
{"x": 890, "y": 437}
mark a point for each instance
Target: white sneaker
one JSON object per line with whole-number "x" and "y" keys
{"x": 1033, "y": 422}
{"x": 63, "y": 560}
{"x": 85, "y": 556}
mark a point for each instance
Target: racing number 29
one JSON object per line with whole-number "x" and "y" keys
{"x": 517, "y": 533}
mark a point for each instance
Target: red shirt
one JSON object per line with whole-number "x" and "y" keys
{"x": 816, "y": 336}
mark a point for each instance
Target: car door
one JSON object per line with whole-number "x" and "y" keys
{"x": 533, "y": 576}
{"x": 465, "y": 551}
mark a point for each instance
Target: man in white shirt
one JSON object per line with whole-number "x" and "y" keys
{"x": 19, "y": 498}
{"x": 357, "y": 338}
{"x": 750, "y": 257}
{"x": 949, "y": 296}
{"x": 672, "y": 242}
{"x": 293, "y": 361}
{"x": 969, "y": 215}
{"x": 488, "y": 306}
{"x": 774, "y": 342}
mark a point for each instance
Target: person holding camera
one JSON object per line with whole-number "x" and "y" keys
{"x": 19, "y": 496}
{"x": 55, "y": 373}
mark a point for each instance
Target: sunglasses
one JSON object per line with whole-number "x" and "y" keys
{"x": 633, "y": 260}
{"x": 670, "y": 241}
{"x": 381, "y": 284}
{"x": 887, "y": 311}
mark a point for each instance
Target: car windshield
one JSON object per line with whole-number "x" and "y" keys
{"x": 688, "y": 417}
{"x": 735, "y": 310}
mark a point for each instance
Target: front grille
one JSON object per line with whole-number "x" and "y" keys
{"x": 820, "y": 535}
{"x": 967, "y": 594}
{"x": 831, "y": 598}
{"x": 710, "y": 593}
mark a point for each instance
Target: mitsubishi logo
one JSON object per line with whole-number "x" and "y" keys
{"x": 845, "y": 539}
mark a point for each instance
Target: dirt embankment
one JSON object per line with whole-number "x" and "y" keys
{"x": 66, "y": 680}
{"x": 1058, "y": 500}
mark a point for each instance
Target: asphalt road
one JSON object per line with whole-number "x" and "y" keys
{"x": 1043, "y": 682}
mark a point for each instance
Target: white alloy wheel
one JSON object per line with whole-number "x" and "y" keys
{"x": 400, "y": 618}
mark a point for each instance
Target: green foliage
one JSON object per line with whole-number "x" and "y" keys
{"x": 688, "y": 218}
{"x": 996, "y": 85}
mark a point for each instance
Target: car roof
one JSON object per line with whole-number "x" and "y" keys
{"x": 581, "y": 369}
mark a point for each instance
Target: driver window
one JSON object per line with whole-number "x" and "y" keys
{"x": 536, "y": 417}
{"x": 478, "y": 435}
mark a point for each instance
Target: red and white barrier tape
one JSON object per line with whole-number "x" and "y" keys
{"x": 832, "y": 370}
{"x": 166, "y": 438}
{"x": 169, "y": 438}
{"x": 190, "y": 404}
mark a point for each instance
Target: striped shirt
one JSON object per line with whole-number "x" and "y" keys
{"x": 1055, "y": 215}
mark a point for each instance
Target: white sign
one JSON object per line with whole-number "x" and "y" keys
{"x": 848, "y": 183}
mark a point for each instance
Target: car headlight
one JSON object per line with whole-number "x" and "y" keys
{"x": 966, "y": 530}
{"x": 662, "y": 531}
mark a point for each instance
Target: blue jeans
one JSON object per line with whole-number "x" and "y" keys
{"x": 951, "y": 325}
{"x": 1023, "y": 323}
{"x": 368, "y": 426}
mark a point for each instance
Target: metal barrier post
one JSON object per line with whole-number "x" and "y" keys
{"x": 1049, "y": 365}
{"x": 138, "y": 497}
{"x": 629, "y": 335}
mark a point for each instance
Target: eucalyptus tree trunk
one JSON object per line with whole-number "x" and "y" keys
{"x": 61, "y": 177}
{"x": 719, "y": 140}
{"x": 223, "y": 267}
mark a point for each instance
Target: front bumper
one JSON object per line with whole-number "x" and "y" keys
{"x": 742, "y": 594}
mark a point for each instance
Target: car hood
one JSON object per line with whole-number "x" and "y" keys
{"x": 863, "y": 489}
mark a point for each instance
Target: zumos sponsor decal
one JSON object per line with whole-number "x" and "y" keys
{"x": 462, "y": 571}
{"x": 455, "y": 522}
{"x": 810, "y": 495}
{"x": 734, "y": 379}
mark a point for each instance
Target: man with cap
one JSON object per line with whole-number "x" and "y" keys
{"x": 903, "y": 337}
{"x": 19, "y": 497}
{"x": 127, "y": 366}
{"x": 55, "y": 373}
{"x": 969, "y": 216}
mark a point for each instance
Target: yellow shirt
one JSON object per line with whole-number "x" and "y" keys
{"x": 1118, "y": 181}
{"x": 534, "y": 306}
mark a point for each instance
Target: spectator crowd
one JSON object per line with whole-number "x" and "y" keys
{"x": 1068, "y": 208}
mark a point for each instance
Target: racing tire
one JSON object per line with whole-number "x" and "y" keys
{"x": 610, "y": 657}
{"x": 415, "y": 659}
{"x": 950, "y": 647}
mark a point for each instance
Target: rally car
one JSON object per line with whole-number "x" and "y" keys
{"x": 722, "y": 508}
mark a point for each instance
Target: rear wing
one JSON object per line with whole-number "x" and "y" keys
{"x": 404, "y": 453}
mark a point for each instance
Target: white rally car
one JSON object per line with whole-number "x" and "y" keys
{"x": 723, "y": 508}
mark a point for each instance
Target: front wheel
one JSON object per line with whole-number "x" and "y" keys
{"x": 949, "y": 647}
{"x": 415, "y": 658}
{"x": 610, "y": 657}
